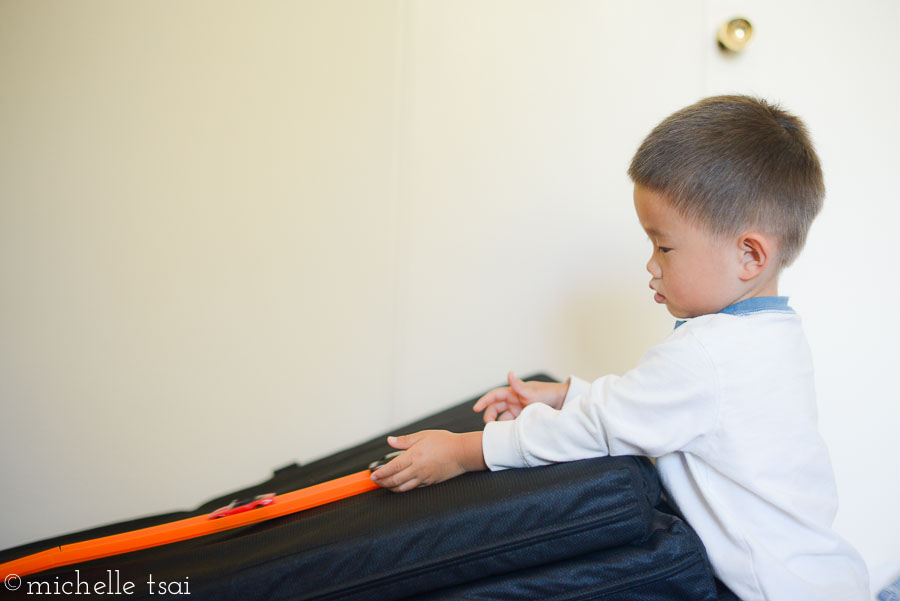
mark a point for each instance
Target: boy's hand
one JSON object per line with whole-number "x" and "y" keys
{"x": 431, "y": 456}
{"x": 507, "y": 402}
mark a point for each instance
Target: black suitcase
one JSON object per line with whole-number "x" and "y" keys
{"x": 590, "y": 529}
{"x": 669, "y": 564}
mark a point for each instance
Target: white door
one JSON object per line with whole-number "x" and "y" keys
{"x": 837, "y": 65}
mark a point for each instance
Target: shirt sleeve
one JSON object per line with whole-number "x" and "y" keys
{"x": 665, "y": 404}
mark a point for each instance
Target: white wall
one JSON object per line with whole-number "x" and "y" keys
{"x": 236, "y": 234}
{"x": 519, "y": 247}
{"x": 196, "y": 248}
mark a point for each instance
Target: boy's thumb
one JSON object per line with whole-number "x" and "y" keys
{"x": 516, "y": 384}
{"x": 402, "y": 442}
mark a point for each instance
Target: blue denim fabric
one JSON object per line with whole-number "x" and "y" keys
{"x": 757, "y": 304}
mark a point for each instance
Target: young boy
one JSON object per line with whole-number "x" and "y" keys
{"x": 726, "y": 189}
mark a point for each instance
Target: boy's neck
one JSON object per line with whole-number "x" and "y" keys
{"x": 768, "y": 287}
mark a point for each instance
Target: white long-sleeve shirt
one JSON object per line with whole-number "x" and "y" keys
{"x": 727, "y": 405}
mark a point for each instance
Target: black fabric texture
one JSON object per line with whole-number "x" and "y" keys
{"x": 580, "y": 530}
{"x": 668, "y": 565}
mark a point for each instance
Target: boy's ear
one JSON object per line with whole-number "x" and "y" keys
{"x": 756, "y": 252}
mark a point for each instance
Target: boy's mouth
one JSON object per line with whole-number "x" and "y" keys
{"x": 659, "y": 298}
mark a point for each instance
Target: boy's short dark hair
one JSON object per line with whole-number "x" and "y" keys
{"x": 734, "y": 162}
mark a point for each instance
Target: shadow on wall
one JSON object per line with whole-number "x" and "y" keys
{"x": 606, "y": 329}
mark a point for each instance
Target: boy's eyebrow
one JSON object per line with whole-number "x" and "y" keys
{"x": 651, "y": 231}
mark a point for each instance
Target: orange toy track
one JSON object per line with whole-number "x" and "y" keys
{"x": 201, "y": 525}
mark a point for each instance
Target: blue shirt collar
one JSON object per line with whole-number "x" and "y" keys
{"x": 757, "y": 304}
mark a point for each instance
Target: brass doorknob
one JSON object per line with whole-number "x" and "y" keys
{"x": 734, "y": 35}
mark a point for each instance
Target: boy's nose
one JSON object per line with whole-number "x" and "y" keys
{"x": 653, "y": 268}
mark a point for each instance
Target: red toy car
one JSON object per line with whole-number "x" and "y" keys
{"x": 242, "y": 505}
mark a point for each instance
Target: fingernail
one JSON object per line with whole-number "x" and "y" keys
{"x": 392, "y": 439}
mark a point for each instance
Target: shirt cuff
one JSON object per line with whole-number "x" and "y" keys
{"x": 500, "y": 446}
{"x": 577, "y": 388}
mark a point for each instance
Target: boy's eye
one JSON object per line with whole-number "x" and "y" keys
{"x": 662, "y": 249}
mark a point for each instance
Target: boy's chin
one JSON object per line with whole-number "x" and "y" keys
{"x": 676, "y": 311}
{"x": 680, "y": 313}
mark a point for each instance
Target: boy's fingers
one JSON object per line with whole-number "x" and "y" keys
{"x": 492, "y": 411}
{"x": 490, "y": 398}
{"x": 393, "y": 479}
{"x": 408, "y": 485}
{"x": 482, "y": 402}
{"x": 392, "y": 467}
